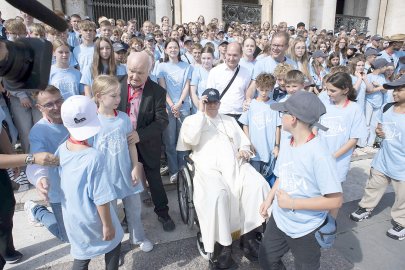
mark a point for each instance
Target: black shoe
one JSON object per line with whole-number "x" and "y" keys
{"x": 225, "y": 260}
{"x": 250, "y": 248}
{"x": 14, "y": 257}
{"x": 167, "y": 222}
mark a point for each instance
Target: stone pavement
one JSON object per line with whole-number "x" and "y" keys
{"x": 358, "y": 245}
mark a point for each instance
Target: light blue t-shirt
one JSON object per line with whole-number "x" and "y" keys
{"x": 46, "y": 137}
{"x": 376, "y": 99}
{"x": 262, "y": 122}
{"x": 84, "y": 56}
{"x": 306, "y": 171}
{"x": 268, "y": 64}
{"x": 343, "y": 124}
{"x": 317, "y": 78}
{"x": 87, "y": 78}
{"x": 112, "y": 142}
{"x": 175, "y": 76}
{"x": 361, "y": 94}
{"x": 73, "y": 39}
{"x": 250, "y": 65}
{"x": 285, "y": 136}
{"x": 199, "y": 78}
{"x": 390, "y": 159}
{"x": 67, "y": 80}
{"x": 86, "y": 185}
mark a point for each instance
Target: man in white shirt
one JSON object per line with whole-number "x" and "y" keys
{"x": 221, "y": 75}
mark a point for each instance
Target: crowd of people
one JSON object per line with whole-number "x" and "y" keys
{"x": 250, "y": 103}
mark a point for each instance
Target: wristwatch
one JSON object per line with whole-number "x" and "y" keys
{"x": 29, "y": 160}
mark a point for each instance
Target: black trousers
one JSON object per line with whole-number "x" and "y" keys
{"x": 7, "y": 205}
{"x": 276, "y": 243}
{"x": 157, "y": 190}
{"x": 111, "y": 260}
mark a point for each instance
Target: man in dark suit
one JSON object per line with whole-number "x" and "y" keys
{"x": 145, "y": 103}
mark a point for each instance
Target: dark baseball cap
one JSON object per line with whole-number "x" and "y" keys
{"x": 187, "y": 39}
{"x": 117, "y": 47}
{"x": 376, "y": 37}
{"x": 304, "y": 105}
{"x": 371, "y": 51}
{"x": 314, "y": 28}
{"x": 212, "y": 94}
{"x": 149, "y": 37}
{"x": 223, "y": 42}
{"x": 319, "y": 53}
{"x": 352, "y": 47}
{"x": 395, "y": 84}
{"x": 380, "y": 63}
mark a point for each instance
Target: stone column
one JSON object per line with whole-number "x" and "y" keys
{"x": 76, "y": 7}
{"x": 291, "y": 11}
{"x": 163, "y": 8}
{"x": 373, "y": 7}
{"x": 323, "y": 14}
{"x": 394, "y": 18}
{"x": 266, "y": 10}
{"x": 348, "y": 8}
{"x": 192, "y": 9}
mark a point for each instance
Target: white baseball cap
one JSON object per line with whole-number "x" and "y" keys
{"x": 79, "y": 116}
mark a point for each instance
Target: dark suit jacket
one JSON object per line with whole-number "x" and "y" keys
{"x": 152, "y": 120}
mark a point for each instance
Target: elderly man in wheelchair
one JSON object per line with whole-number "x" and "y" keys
{"x": 227, "y": 190}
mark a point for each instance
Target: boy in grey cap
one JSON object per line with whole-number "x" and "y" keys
{"x": 307, "y": 187}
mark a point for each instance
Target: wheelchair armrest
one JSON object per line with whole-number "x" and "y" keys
{"x": 188, "y": 160}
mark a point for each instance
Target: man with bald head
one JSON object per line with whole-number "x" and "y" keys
{"x": 220, "y": 77}
{"x": 144, "y": 101}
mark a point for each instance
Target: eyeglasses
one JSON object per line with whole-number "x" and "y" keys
{"x": 280, "y": 113}
{"x": 51, "y": 105}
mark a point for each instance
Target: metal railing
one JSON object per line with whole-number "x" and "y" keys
{"x": 141, "y": 10}
{"x": 359, "y": 23}
{"x": 240, "y": 12}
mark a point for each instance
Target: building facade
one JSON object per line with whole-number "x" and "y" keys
{"x": 384, "y": 17}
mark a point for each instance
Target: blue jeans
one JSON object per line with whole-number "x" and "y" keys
{"x": 53, "y": 221}
{"x": 24, "y": 119}
{"x": 258, "y": 165}
{"x": 175, "y": 159}
{"x": 132, "y": 205}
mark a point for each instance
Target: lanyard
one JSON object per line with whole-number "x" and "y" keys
{"x": 78, "y": 142}
{"x": 310, "y": 137}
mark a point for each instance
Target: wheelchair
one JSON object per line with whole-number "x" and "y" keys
{"x": 185, "y": 190}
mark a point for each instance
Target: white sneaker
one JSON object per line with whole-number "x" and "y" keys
{"x": 28, "y": 206}
{"x": 173, "y": 178}
{"x": 145, "y": 245}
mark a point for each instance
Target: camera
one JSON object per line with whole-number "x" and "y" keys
{"x": 26, "y": 63}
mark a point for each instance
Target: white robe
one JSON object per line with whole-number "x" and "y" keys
{"x": 227, "y": 193}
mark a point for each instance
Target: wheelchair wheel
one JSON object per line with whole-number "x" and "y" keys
{"x": 185, "y": 197}
{"x": 200, "y": 246}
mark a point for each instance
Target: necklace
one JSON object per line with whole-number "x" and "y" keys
{"x": 225, "y": 133}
